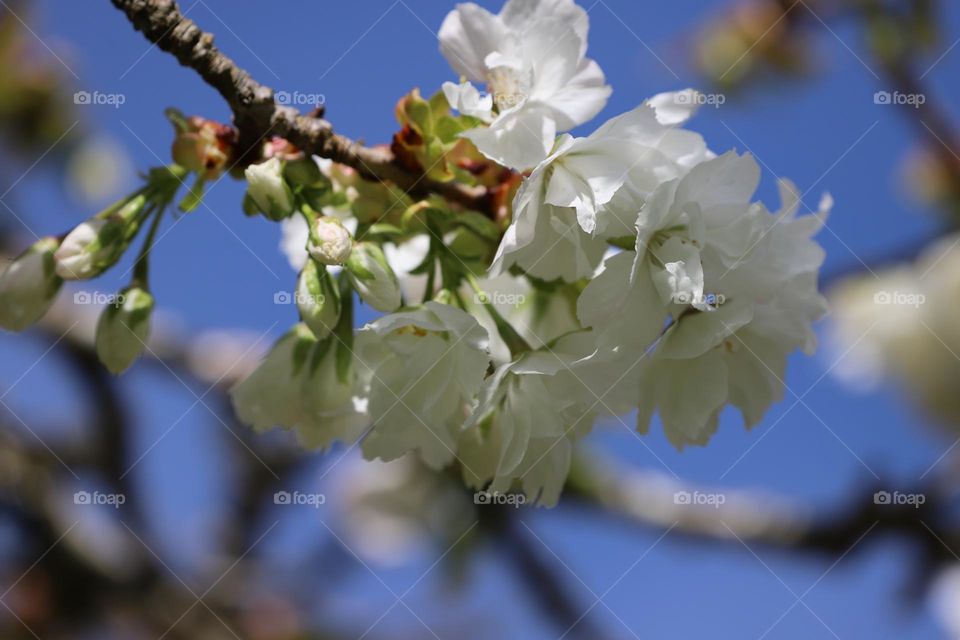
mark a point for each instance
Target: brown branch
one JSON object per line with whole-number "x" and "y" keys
{"x": 257, "y": 115}
{"x": 745, "y": 518}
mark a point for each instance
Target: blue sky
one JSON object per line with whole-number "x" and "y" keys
{"x": 216, "y": 268}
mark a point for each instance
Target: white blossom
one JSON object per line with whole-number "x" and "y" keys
{"x": 426, "y": 366}
{"x": 527, "y": 419}
{"x": 737, "y": 353}
{"x": 563, "y": 213}
{"x": 468, "y": 100}
{"x": 628, "y": 303}
{"x": 531, "y": 56}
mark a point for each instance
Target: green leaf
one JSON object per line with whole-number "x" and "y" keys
{"x": 479, "y": 224}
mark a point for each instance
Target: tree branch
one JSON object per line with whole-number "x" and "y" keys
{"x": 257, "y": 116}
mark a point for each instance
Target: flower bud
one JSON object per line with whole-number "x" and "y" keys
{"x": 123, "y": 329}
{"x": 95, "y": 245}
{"x": 265, "y": 184}
{"x": 330, "y": 242}
{"x": 28, "y": 286}
{"x": 373, "y": 278}
{"x": 203, "y": 146}
{"x": 317, "y": 299}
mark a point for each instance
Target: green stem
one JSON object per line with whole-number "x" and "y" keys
{"x": 431, "y": 274}
{"x": 141, "y": 266}
{"x": 344, "y": 329}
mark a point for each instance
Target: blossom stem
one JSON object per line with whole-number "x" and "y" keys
{"x": 142, "y": 265}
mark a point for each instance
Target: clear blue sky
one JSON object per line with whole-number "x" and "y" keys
{"x": 219, "y": 269}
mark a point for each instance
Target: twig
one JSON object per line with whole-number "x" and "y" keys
{"x": 257, "y": 115}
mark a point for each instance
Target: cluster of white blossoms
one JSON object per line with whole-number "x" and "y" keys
{"x": 633, "y": 272}
{"x": 625, "y": 271}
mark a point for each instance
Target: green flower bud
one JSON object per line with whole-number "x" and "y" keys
{"x": 268, "y": 189}
{"x": 95, "y": 245}
{"x": 317, "y": 299}
{"x": 123, "y": 329}
{"x": 330, "y": 243}
{"x": 28, "y": 286}
{"x": 373, "y": 278}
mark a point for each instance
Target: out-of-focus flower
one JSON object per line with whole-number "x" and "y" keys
{"x": 899, "y": 325}
{"x": 298, "y": 386}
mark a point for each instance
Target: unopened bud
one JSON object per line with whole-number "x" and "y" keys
{"x": 373, "y": 278}
{"x": 95, "y": 245}
{"x": 317, "y": 299}
{"x": 330, "y": 242}
{"x": 28, "y": 286}
{"x": 202, "y": 146}
{"x": 268, "y": 189}
{"x": 123, "y": 329}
